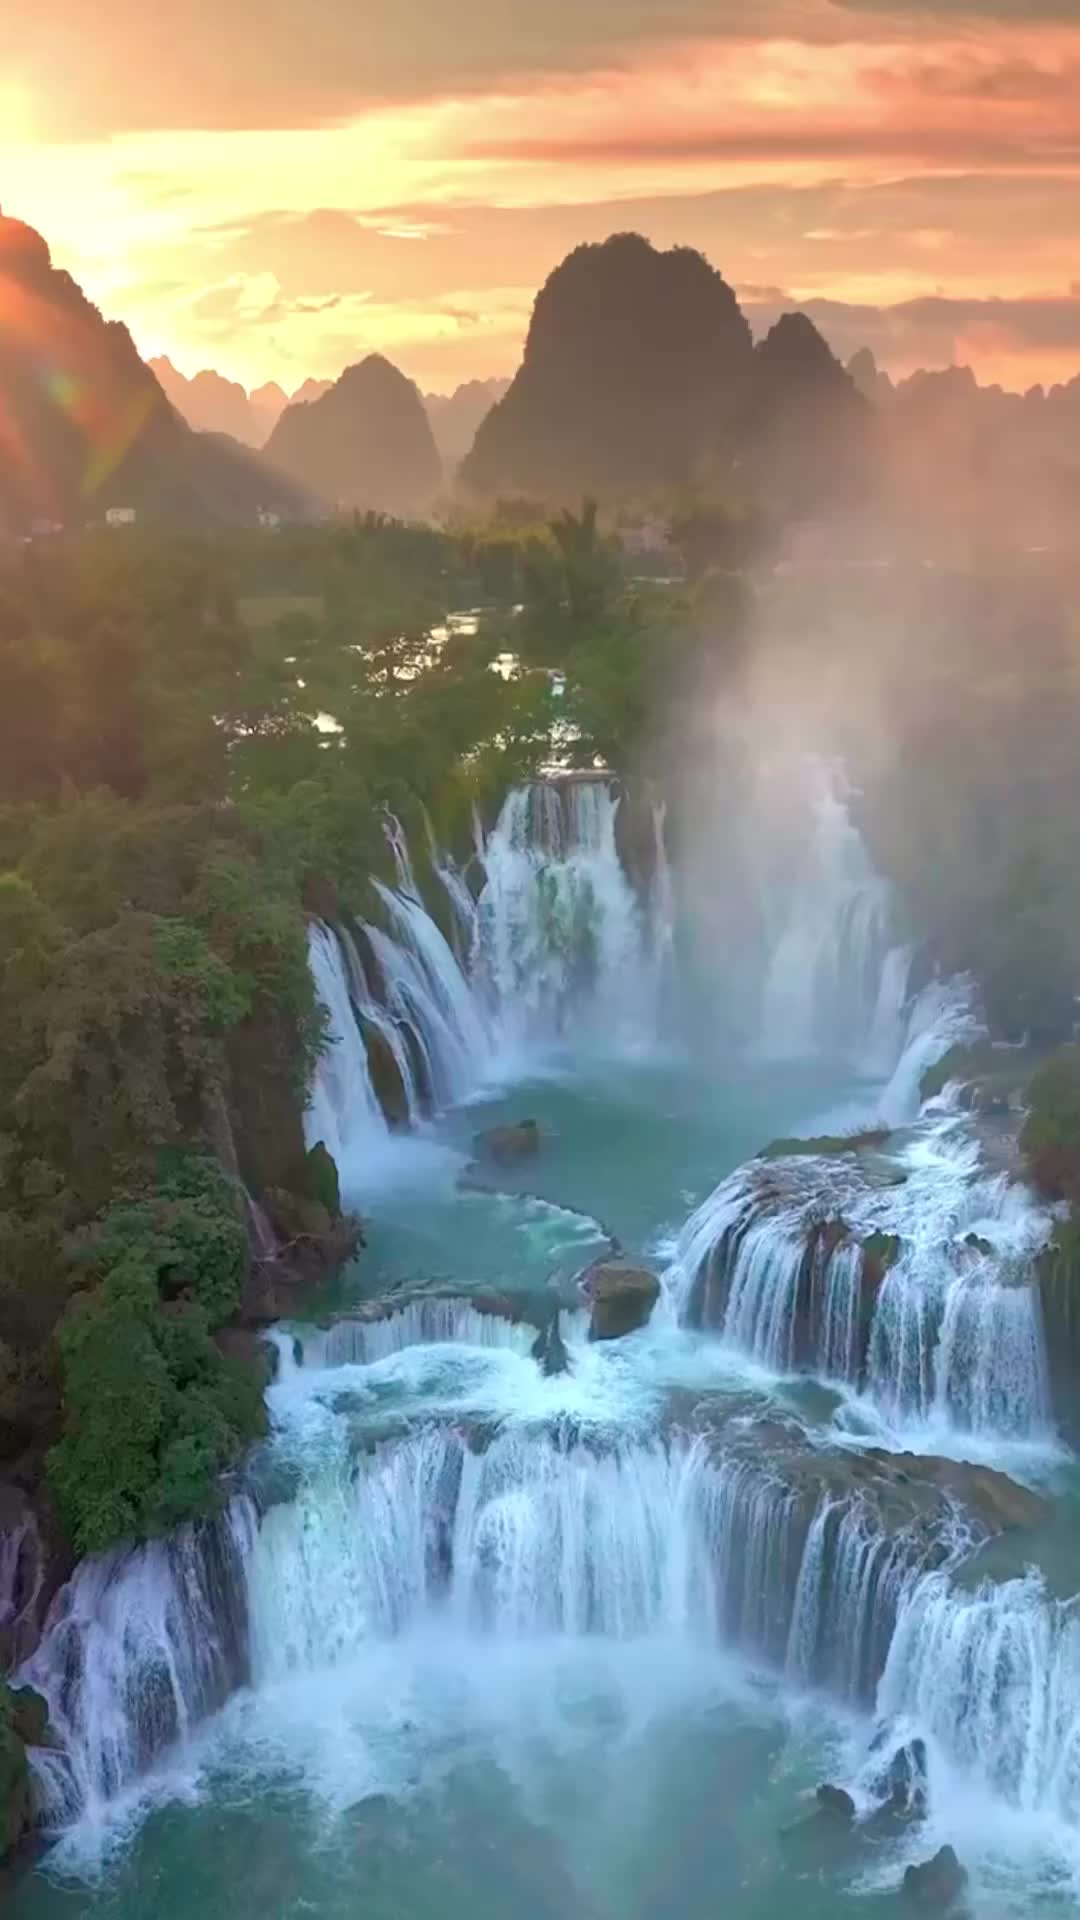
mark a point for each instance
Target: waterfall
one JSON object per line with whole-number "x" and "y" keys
{"x": 423, "y": 1322}
{"x": 372, "y": 1014}
{"x": 942, "y": 1016}
{"x": 538, "y": 1533}
{"x": 835, "y": 976}
{"x": 137, "y": 1648}
{"x": 563, "y": 944}
{"x": 921, "y": 1294}
{"x": 424, "y": 980}
{"x": 343, "y": 1108}
{"x": 992, "y": 1679}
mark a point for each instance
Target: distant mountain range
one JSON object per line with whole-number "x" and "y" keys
{"x": 85, "y": 426}
{"x": 213, "y": 404}
{"x": 639, "y": 379}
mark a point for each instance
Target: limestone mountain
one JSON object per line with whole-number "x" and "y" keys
{"x": 366, "y": 443}
{"x": 85, "y": 426}
{"x": 210, "y": 403}
{"x": 807, "y": 432}
{"x": 456, "y": 416}
{"x": 635, "y": 368}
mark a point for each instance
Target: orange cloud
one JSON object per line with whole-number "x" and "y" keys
{"x": 406, "y": 177}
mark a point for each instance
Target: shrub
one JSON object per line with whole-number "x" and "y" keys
{"x": 153, "y": 1413}
{"x": 1050, "y": 1141}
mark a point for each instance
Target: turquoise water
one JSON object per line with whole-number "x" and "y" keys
{"x": 441, "y": 1775}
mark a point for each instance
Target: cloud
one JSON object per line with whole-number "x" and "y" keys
{"x": 1001, "y": 337}
{"x": 952, "y": 13}
{"x": 255, "y": 63}
{"x": 931, "y": 147}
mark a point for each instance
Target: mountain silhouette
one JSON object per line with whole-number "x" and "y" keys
{"x": 85, "y": 426}
{"x": 635, "y": 366}
{"x": 456, "y": 416}
{"x": 807, "y": 434}
{"x": 365, "y": 443}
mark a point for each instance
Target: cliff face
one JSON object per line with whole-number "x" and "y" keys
{"x": 366, "y": 443}
{"x": 634, "y": 367}
{"x": 84, "y": 424}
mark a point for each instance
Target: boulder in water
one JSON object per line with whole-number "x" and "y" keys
{"x": 549, "y": 1349}
{"x": 621, "y": 1297}
{"x": 901, "y": 1785}
{"x": 508, "y": 1146}
{"x": 836, "y": 1801}
{"x": 938, "y": 1884}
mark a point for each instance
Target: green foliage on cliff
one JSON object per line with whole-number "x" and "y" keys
{"x": 14, "y": 1776}
{"x": 198, "y": 743}
{"x": 153, "y": 1413}
{"x": 1050, "y": 1141}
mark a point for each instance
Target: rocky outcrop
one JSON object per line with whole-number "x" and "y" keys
{"x": 620, "y": 1297}
{"x": 508, "y": 1146}
{"x": 549, "y": 1350}
{"x": 938, "y": 1885}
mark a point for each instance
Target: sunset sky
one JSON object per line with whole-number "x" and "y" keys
{"x": 274, "y": 188}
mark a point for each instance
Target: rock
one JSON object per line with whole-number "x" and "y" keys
{"x": 978, "y": 1245}
{"x": 549, "y": 1349}
{"x": 901, "y": 1786}
{"x": 834, "y": 1800}
{"x": 509, "y": 1145}
{"x": 386, "y": 1075}
{"x": 30, "y": 1717}
{"x": 16, "y": 1810}
{"x": 1001, "y": 1504}
{"x": 938, "y": 1884}
{"x": 621, "y": 1296}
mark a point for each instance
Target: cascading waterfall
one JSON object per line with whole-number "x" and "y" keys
{"x": 992, "y": 1679}
{"x": 138, "y": 1647}
{"x": 836, "y": 977}
{"x": 915, "y": 1285}
{"x": 563, "y": 945}
{"x": 539, "y": 1534}
{"x": 343, "y": 1107}
{"x": 371, "y": 1013}
{"x": 449, "y": 1322}
{"x": 425, "y": 984}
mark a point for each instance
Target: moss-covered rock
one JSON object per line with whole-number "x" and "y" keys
{"x": 881, "y": 1251}
{"x": 16, "y": 1807}
{"x": 1050, "y": 1141}
{"x": 827, "y": 1145}
{"x": 321, "y": 1180}
{"x": 508, "y": 1146}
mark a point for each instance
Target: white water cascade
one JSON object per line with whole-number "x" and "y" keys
{"x": 425, "y": 986}
{"x": 991, "y": 1679}
{"x": 910, "y": 1279}
{"x": 564, "y": 948}
{"x": 343, "y": 1107}
{"x": 836, "y": 977}
{"x": 138, "y": 1647}
{"x": 539, "y": 1534}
